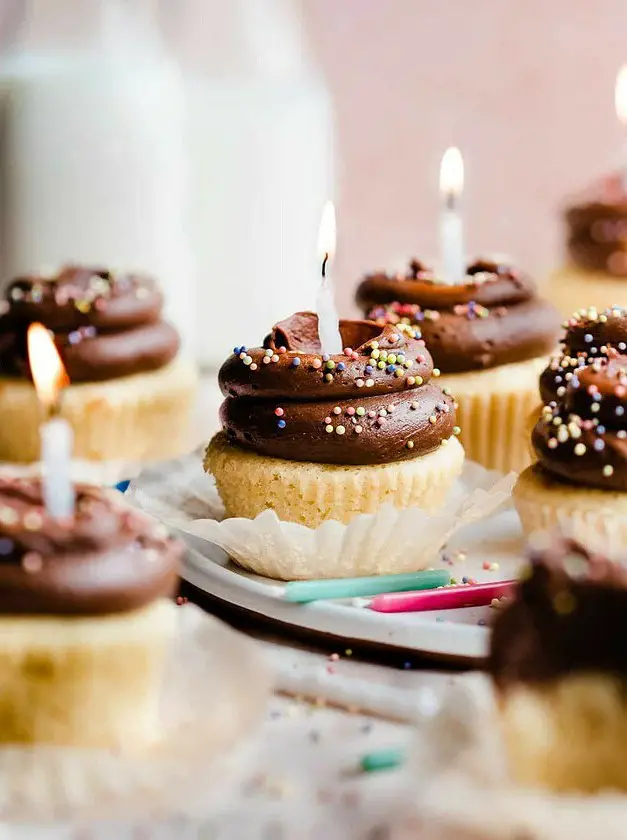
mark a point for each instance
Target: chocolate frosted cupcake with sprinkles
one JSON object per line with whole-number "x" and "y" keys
{"x": 132, "y": 391}
{"x": 86, "y": 619}
{"x": 580, "y": 440}
{"x": 318, "y": 438}
{"x": 489, "y": 335}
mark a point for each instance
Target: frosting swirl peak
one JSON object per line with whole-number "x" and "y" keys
{"x": 373, "y": 404}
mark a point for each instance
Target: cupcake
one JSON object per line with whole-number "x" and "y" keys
{"x": 318, "y": 438}
{"x": 596, "y": 267}
{"x": 558, "y": 661}
{"x": 132, "y": 392}
{"x": 489, "y": 337}
{"x": 86, "y": 619}
{"x": 580, "y": 439}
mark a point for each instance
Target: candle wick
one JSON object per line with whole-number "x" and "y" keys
{"x": 450, "y": 201}
{"x": 324, "y": 266}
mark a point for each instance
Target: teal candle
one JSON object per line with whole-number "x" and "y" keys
{"x": 382, "y": 760}
{"x": 301, "y": 591}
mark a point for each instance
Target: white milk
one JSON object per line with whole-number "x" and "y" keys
{"x": 260, "y": 131}
{"x": 94, "y": 159}
{"x": 211, "y": 174}
{"x": 262, "y": 170}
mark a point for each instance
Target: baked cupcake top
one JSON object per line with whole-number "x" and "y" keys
{"x": 108, "y": 558}
{"x": 105, "y": 325}
{"x": 596, "y": 224}
{"x": 568, "y": 616}
{"x": 493, "y": 318}
{"x": 373, "y": 404}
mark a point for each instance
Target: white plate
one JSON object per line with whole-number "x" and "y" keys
{"x": 447, "y": 635}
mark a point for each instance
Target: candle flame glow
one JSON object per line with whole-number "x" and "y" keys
{"x": 49, "y": 375}
{"x": 327, "y": 233}
{"x": 620, "y": 95}
{"x": 452, "y": 172}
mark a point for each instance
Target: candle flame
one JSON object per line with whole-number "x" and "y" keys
{"x": 452, "y": 172}
{"x": 47, "y": 369}
{"x": 620, "y": 94}
{"x": 327, "y": 234}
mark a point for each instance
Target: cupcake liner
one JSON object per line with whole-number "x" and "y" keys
{"x": 312, "y": 493}
{"x": 493, "y": 407}
{"x": 214, "y": 694}
{"x": 596, "y": 518}
{"x": 386, "y": 542}
{"x": 462, "y": 789}
{"x": 124, "y": 421}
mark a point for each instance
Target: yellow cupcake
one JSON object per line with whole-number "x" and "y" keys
{"x": 311, "y": 493}
{"x": 146, "y": 416}
{"x": 489, "y": 335}
{"x": 590, "y": 515}
{"x": 571, "y": 288}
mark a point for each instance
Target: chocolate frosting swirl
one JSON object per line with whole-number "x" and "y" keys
{"x": 597, "y": 228}
{"x": 373, "y": 404}
{"x": 583, "y": 436}
{"x": 105, "y": 325}
{"x": 589, "y": 335}
{"x": 562, "y": 621}
{"x": 491, "y": 319}
{"x": 107, "y": 559}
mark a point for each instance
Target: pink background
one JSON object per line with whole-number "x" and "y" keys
{"x": 525, "y": 88}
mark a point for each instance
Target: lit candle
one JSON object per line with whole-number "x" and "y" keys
{"x": 620, "y": 102}
{"x": 328, "y": 322}
{"x": 451, "y": 228}
{"x": 57, "y": 438}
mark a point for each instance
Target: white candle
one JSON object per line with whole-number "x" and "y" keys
{"x": 56, "y": 433}
{"x": 452, "y": 250}
{"x": 328, "y": 321}
{"x": 620, "y": 102}
{"x": 57, "y": 442}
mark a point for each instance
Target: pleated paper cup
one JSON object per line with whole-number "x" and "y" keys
{"x": 388, "y": 541}
{"x": 143, "y": 417}
{"x": 494, "y": 407}
{"x": 214, "y": 695}
{"x": 597, "y": 518}
{"x": 310, "y": 494}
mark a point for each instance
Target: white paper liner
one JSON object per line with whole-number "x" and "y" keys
{"x": 387, "y": 542}
{"x": 215, "y": 691}
{"x": 462, "y": 790}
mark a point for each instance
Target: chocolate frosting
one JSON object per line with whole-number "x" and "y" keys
{"x": 494, "y": 318}
{"x": 589, "y": 335}
{"x": 105, "y": 325}
{"x": 583, "y": 437}
{"x": 582, "y": 434}
{"x": 596, "y": 225}
{"x": 562, "y": 622}
{"x": 372, "y": 404}
{"x": 108, "y": 558}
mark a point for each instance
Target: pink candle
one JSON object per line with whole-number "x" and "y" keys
{"x": 446, "y": 598}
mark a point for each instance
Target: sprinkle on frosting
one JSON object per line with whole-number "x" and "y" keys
{"x": 316, "y": 412}
{"x": 494, "y": 318}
